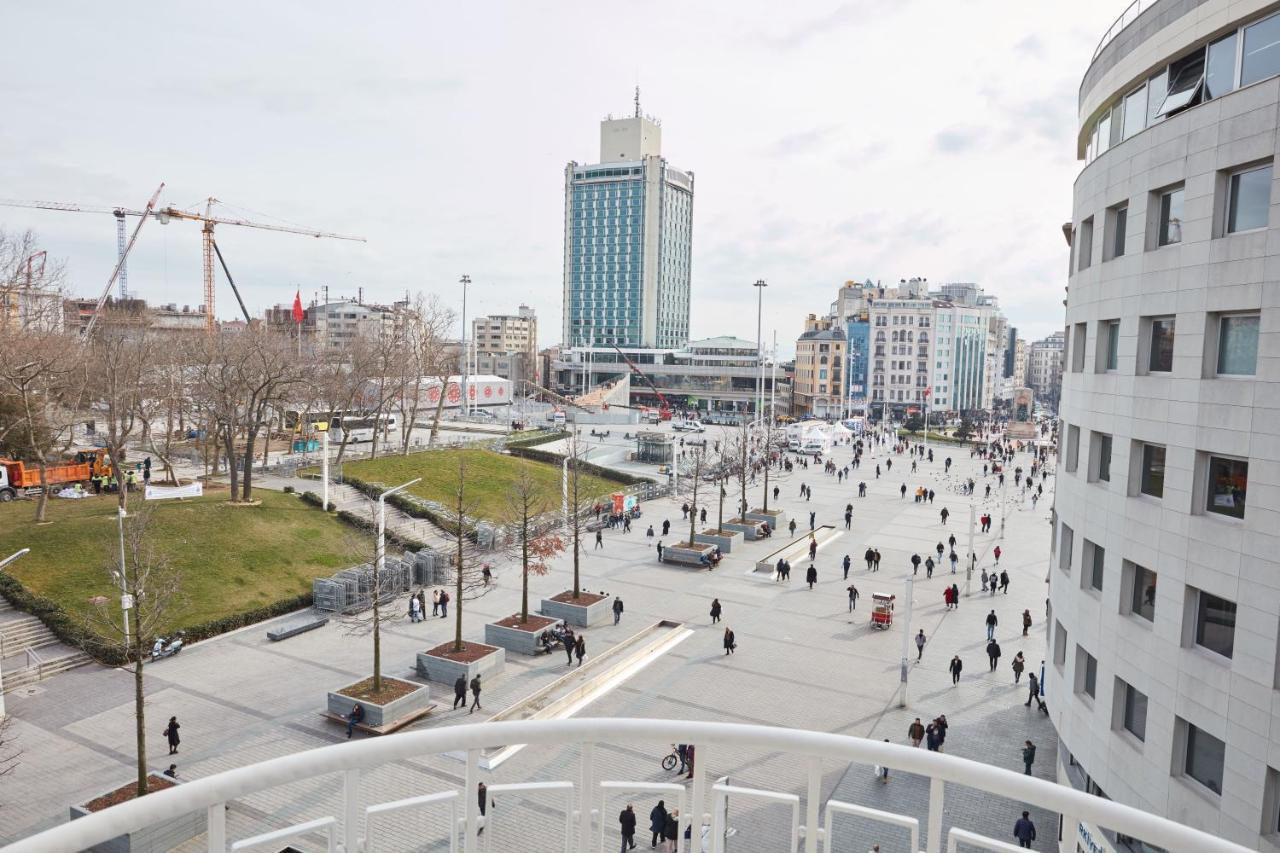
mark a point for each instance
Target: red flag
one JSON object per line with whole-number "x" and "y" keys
{"x": 297, "y": 307}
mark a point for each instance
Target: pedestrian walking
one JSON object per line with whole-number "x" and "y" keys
{"x": 811, "y": 575}
{"x": 1033, "y": 692}
{"x": 876, "y": 560}
{"x": 659, "y": 547}
{"x": 812, "y": 516}
{"x": 792, "y": 527}
{"x": 996, "y": 553}
{"x": 956, "y": 666}
{"x": 846, "y": 563}
{"x": 1028, "y": 756}
{"x": 920, "y": 641}
{"x": 882, "y": 772}
{"x": 599, "y": 538}
{"x": 915, "y": 564}
{"x": 460, "y": 692}
{"x": 915, "y": 732}
{"x": 580, "y": 648}
{"x": 992, "y": 622}
{"x": 657, "y": 822}
{"x": 1024, "y": 830}
{"x": 171, "y": 735}
{"x": 617, "y": 610}
{"x": 422, "y": 603}
{"x": 928, "y": 567}
{"x": 955, "y": 560}
{"x": 931, "y": 737}
{"x": 853, "y": 597}
{"x": 945, "y": 514}
{"x": 715, "y": 610}
{"x": 671, "y": 830}
{"x": 955, "y": 596}
{"x": 475, "y": 693}
{"x": 984, "y": 580}
{"x": 702, "y": 516}
{"x": 569, "y": 640}
{"x": 993, "y": 654}
{"x": 870, "y": 557}
{"x": 941, "y": 725}
{"x": 482, "y": 794}
{"x": 1004, "y": 581}
{"x": 415, "y": 612}
{"x": 666, "y": 527}
{"x": 848, "y": 519}
{"x": 730, "y": 641}
{"x": 444, "y": 604}
{"x": 684, "y": 511}
{"x": 627, "y": 826}
{"x": 1026, "y": 622}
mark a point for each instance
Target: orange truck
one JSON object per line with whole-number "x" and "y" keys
{"x": 17, "y": 479}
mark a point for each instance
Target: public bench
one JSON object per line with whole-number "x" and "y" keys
{"x": 686, "y": 555}
{"x": 385, "y": 728}
{"x": 297, "y": 626}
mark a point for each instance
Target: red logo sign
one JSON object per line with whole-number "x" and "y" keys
{"x": 500, "y": 392}
{"x": 433, "y": 395}
{"x": 488, "y": 391}
{"x": 454, "y": 393}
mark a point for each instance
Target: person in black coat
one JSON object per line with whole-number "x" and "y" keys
{"x": 657, "y": 822}
{"x": 715, "y": 610}
{"x": 627, "y": 821}
{"x": 993, "y": 654}
{"x": 460, "y": 692}
{"x": 171, "y": 735}
{"x": 671, "y": 830}
{"x": 811, "y": 576}
{"x": 730, "y": 641}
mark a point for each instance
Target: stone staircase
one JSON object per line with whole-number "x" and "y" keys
{"x": 16, "y": 679}
{"x": 21, "y": 638}
{"x": 23, "y": 632}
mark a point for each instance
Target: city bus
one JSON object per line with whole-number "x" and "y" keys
{"x": 359, "y": 428}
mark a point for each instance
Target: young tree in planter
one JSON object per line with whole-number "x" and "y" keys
{"x": 533, "y": 538}
{"x": 914, "y": 424}
{"x": 740, "y": 458}
{"x": 459, "y": 523}
{"x": 965, "y": 429}
{"x": 153, "y": 587}
{"x": 771, "y": 440}
{"x": 579, "y": 507}
{"x": 697, "y": 467}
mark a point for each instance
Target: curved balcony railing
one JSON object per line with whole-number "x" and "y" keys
{"x": 584, "y": 798}
{"x": 1127, "y": 17}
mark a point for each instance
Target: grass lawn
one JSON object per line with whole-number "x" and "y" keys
{"x": 232, "y": 558}
{"x": 489, "y": 477}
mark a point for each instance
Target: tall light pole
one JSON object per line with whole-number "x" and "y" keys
{"x": 462, "y": 362}
{"x": 906, "y": 645}
{"x": 381, "y": 559}
{"x": 760, "y": 285}
{"x": 125, "y": 600}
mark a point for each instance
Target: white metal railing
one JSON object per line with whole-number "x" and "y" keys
{"x": 1127, "y": 17}
{"x": 349, "y": 831}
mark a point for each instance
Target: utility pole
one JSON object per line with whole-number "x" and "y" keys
{"x": 462, "y": 362}
{"x": 759, "y": 285}
{"x": 906, "y": 645}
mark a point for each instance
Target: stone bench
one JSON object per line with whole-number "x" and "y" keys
{"x": 296, "y": 627}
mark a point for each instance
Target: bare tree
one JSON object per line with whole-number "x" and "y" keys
{"x": 118, "y": 359}
{"x": 769, "y": 443}
{"x": 533, "y": 524}
{"x": 31, "y": 285}
{"x": 741, "y": 456}
{"x": 580, "y": 502}
{"x": 8, "y": 754}
{"x": 152, "y": 587}
{"x": 166, "y": 405}
{"x": 698, "y": 464}
{"x": 427, "y": 324}
{"x": 268, "y": 372}
{"x": 459, "y": 523}
{"x": 39, "y": 384}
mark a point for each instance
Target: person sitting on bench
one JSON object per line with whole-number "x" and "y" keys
{"x": 354, "y": 718}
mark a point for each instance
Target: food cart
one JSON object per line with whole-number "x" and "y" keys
{"x": 881, "y": 610}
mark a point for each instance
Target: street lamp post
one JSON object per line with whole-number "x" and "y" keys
{"x": 465, "y": 280}
{"x": 125, "y": 601}
{"x": 759, "y": 285}
{"x": 906, "y": 645}
{"x": 381, "y": 559}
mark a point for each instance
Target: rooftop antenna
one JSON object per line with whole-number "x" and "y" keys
{"x": 637, "y": 102}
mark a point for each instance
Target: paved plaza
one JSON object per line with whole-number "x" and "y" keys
{"x": 803, "y": 661}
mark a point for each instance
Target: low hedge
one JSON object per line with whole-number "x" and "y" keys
{"x": 589, "y": 467}
{"x": 541, "y": 437}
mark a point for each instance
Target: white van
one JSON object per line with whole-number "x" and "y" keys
{"x": 691, "y": 425}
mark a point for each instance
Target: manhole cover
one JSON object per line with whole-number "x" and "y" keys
{"x": 33, "y": 690}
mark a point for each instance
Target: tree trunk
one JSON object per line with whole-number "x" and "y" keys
{"x": 42, "y": 502}
{"x": 435, "y": 422}
{"x": 524, "y": 571}
{"x": 250, "y": 438}
{"x": 228, "y": 436}
{"x": 767, "y": 461}
{"x": 139, "y": 716}
{"x": 377, "y": 632}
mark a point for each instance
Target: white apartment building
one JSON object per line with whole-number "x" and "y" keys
{"x": 1164, "y": 671}
{"x": 510, "y": 341}
{"x": 902, "y": 335}
{"x": 1044, "y": 367}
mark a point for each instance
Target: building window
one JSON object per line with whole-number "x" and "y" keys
{"x": 1116, "y": 225}
{"x": 1227, "y": 480}
{"x": 1186, "y": 83}
{"x": 1152, "y": 479}
{"x": 1094, "y": 558}
{"x": 1110, "y": 342}
{"x": 1170, "y": 225}
{"x": 1249, "y": 199}
{"x": 1261, "y": 51}
{"x": 1135, "y": 113}
{"x": 1086, "y": 673}
{"x": 1084, "y": 255}
{"x": 1220, "y": 70}
{"x": 1100, "y": 461}
{"x": 1237, "y": 344}
{"x": 1077, "y": 347}
{"x": 1160, "y": 348}
{"x": 1059, "y": 645}
{"x": 1215, "y": 623}
{"x": 1073, "y": 447}
{"x": 1065, "y": 543}
{"x": 1142, "y": 597}
{"x": 1133, "y": 709}
{"x": 1204, "y": 758}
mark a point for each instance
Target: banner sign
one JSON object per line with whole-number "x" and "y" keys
{"x": 164, "y": 493}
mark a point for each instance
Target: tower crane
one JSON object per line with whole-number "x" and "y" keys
{"x": 164, "y": 215}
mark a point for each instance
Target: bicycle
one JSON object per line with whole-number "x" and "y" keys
{"x": 669, "y": 762}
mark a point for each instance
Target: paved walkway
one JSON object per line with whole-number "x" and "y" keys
{"x": 803, "y": 661}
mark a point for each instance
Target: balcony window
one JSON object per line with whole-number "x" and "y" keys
{"x": 1152, "y": 480}
{"x": 1261, "y": 51}
{"x": 1228, "y": 481}
{"x": 1142, "y": 598}
{"x": 1237, "y": 344}
{"x": 1186, "y": 83}
{"x": 1170, "y": 230}
{"x": 1215, "y": 623}
{"x": 1073, "y": 447}
{"x": 1205, "y": 757}
{"x": 1160, "y": 349}
{"x": 1135, "y": 112}
{"x": 1249, "y": 199}
{"x": 1220, "y": 71}
{"x": 1134, "y": 713}
{"x": 1077, "y": 347}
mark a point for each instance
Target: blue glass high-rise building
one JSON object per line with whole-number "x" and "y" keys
{"x": 628, "y": 227}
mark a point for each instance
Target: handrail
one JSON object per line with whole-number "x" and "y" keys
{"x": 1120, "y": 23}
{"x": 201, "y": 794}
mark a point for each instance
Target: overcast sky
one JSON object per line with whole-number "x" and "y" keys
{"x": 831, "y": 142}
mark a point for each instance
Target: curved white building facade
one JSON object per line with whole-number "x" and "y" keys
{"x": 1165, "y": 580}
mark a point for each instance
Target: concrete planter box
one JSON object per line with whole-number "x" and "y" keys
{"x": 516, "y": 639}
{"x": 156, "y": 838}
{"x": 446, "y": 670}
{"x": 748, "y": 529}
{"x": 582, "y": 615}
{"x": 685, "y": 555}
{"x": 380, "y": 715}
{"x": 776, "y": 517}
{"x": 724, "y": 539}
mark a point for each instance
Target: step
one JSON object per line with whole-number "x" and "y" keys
{"x": 16, "y": 679}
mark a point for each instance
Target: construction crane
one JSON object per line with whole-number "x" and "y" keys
{"x": 164, "y": 215}
{"x": 664, "y": 409}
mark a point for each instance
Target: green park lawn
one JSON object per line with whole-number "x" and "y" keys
{"x": 231, "y": 559}
{"x": 489, "y": 476}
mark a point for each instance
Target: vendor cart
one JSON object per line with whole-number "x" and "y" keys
{"x": 881, "y": 610}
